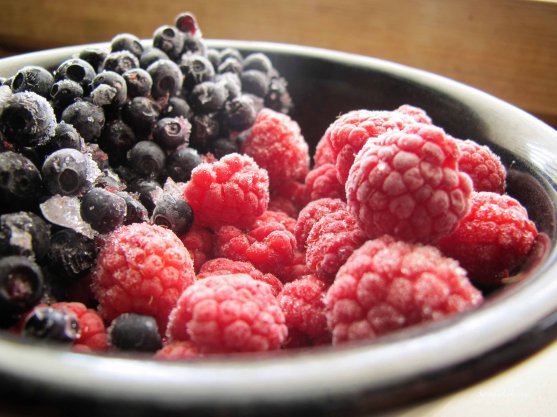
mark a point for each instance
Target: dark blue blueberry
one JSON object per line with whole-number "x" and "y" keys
{"x": 151, "y": 55}
{"x": 177, "y": 107}
{"x": 258, "y": 61}
{"x": 205, "y": 128}
{"x": 21, "y": 284}
{"x": 194, "y": 45}
{"x": 213, "y": 55}
{"x": 24, "y": 233}
{"x": 103, "y": 210}
{"x": 33, "y": 78}
{"x": 231, "y": 53}
{"x": 94, "y": 56}
{"x": 109, "y": 89}
{"x": 171, "y": 132}
{"x": 87, "y": 118}
{"x": 127, "y": 42}
{"x": 65, "y": 92}
{"x": 181, "y": 162}
{"x": 224, "y": 146}
{"x": 139, "y": 82}
{"x": 135, "y": 212}
{"x": 116, "y": 140}
{"x": 65, "y": 172}
{"x": 166, "y": 76}
{"x": 20, "y": 183}
{"x": 278, "y": 98}
{"x": 230, "y": 65}
{"x": 255, "y": 82}
{"x": 120, "y": 61}
{"x": 240, "y": 113}
{"x": 231, "y": 82}
{"x": 169, "y": 40}
{"x": 147, "y": 159}
{"x": 173, "y": 213}
{"x": 27, "y": 119}
{"x": 50, "y": 324}
{"x": 196, "y": 69}
{"x": 71, "y": 253}
{"x": 147, "y": 190}
{"x": 77, "y": 70}
{"x": 141, "y": 114}
{"x": 65, "y": 136}
{"x": 208, "y": 97}
{"x": 134, "y": 332}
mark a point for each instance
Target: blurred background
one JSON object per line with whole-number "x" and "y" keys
{"x": 505, "y": 47}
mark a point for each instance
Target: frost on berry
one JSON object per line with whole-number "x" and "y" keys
{"x": 199, "y": 242}
{"x": 482, "y": 165}
{"x": 322, "y": 182}
{"x": 311, "y": 214}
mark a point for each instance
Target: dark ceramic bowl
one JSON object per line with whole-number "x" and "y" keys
{"x": 354, "y": 379}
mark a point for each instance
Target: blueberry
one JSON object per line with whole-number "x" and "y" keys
{"x": 277, "y": 97}
{"x": 65, "y": 172}
{"x": 138, "y": 81}
{"x": 255, "y": 82}
{"x": 194, "y": 45}
{"x": 205, "y": 128}
{"x": 231, "y": 82}
{"x": 135, "y": 211}
{"x": 240, "y": 113}
{"x": 208, "y": 97}
{"x": 166, "y": 76}
{"x": 134, "y": 332}
{"x": 120, "y": 61}
{"x": 77, "y": 70}
{"x": 87, "y": 118}
{"x": 148, "y": 191}
{"x": 52, "y": 325}
{"x": 65, "y": 136}
{"x": 181, "y": 162}
{"x": 65, "y": 92}
{"x": 103, "y": 210}
{"x": 173, "y": 213}
{"x": 24, "y": 233}
{"x": 224, "y": 146}
{"x": 177, "y": 107}
{"x": 231, "y": 53}
{"x": 33, "y": 78}
{"x": 258, "y": 61}
{"x": 71, "y": 253}
{"x": 94, "y": 56}
{"x": 230, "y": 65}
{"x": 27, "y": 119}
{"x": 147, "y": 159}
{"x": 21, "y": 284}
{"x": 109, "y": 89}
{"x": 127, "y": 42}
{"x": 213, "y": 55}
{"x": 116, "y": 140}
{"x": 196, "y": 69}
{"x": 170, "y": 40}
{"x": 20, "y": 182}
{"x": 141, "y": 114}
{"x": 171, "y": 132}
{"x": 151, "y": 55}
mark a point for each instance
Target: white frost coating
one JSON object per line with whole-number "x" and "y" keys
{"x": 65, "y": 211}
{"x": 93, "y": 170}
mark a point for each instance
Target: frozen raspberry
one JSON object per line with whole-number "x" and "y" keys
{"x": 417, "y": 114}
{"x": 178, "y": 351}
{"x": 493, "y": 239}
{"x": 482, "y": 165}
{"x": 310, "y": 214}
{"x": 294, "y": 191}
{"x": 269, "y": 247}
{"x": 143, "y": 269}
{"x": 224, "y": 266}
{"x": 228, "y": 313}
{"x": 296, "y": 269}
{"x": 231, "y": 191}
{"x": 407, "y": 184}
{"x": 277, "y": 216}
{"x": 284, "y": 205}
{"x": 323, "y": 153}
{"x": 199, "y": 242}
{"x": 387, "y": 285}
{"x": 303, "y": 304}
{"x": 276, "y": 144}
{"x": 331, "y": 241}
{"x": 322, "y": 182}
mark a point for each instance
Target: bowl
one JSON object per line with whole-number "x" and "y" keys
{"x": 356, "y": 378}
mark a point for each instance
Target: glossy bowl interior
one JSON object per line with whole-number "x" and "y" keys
{"x": 356, "y": 378}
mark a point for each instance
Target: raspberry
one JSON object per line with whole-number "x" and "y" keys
{"x": 322, "y": 182}
{"x": 324, "y": 153}
{"x": 141, "y": 269}
{"x": 199, "y": 242}
{"x": 178, "y": 350}
{"x": 493, "y": 239}
{"x": 277, "y": 216}
{"x": 310, "y": 214}
{"x": 387, "y": 285}
{"x": 224, "y": 266}
{"x": 231, "y": 191}
{"x": 228, "y": 313}
{"x": 302, "y": 302}
{"x": 283, "y": 204}
{"x": 484, "y": 167}
{"x": 407, "y": 184}
{"x": 417, "y": 114}
{"x": 276, "y": 144}
{"x": 331, "y": 241}
{"x": 294, "y": 191}
{"x": 296, "y": 269}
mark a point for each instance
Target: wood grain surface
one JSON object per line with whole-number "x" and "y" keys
{"x": 505, "y": 47}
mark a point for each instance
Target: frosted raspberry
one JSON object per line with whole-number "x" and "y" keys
{"x": 311, "y": 213}
{"x": 303, "y": 304}
{"x": 493, "y": 239}
{"x": 387, "y": 285}
{"x": 199, "y": 242}
{"x": 228, "y": 313}
{"x": 231, "y": 191}
{"x": 296, "y": 269}
{"x": 294, "y": 191}
{"x": 143, "y": 269}
{"x": 322, "y": 182}
{"x": 276, "y": 144}
{"x": 277, "y": 216}
{"x": 482, "y": 165}
{"x": 331, "y": 241}
{"x": 178, "y": 351}
{"x": 323, "y": 153}
{"x": 224, "y": 266}
{"x": 407, "y": 184}
{"x": 417, "y": 114}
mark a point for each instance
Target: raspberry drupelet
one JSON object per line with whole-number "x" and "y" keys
{"x": 231, "y": 191}
{"x": 228, "y": 313}
{"x": 407, "y": 184}
{"x": 311, "y": 214}
{"x": 493, "y": 239}
{"x": 482, "y": 165}
{"x": 388, "y": 284}
{"x": 143, "y": 269}
{"x": 322, "y": 182}
{"x": 179, "y": 350}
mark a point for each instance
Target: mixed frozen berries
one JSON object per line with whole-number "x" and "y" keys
{"x": 159, "y": 198}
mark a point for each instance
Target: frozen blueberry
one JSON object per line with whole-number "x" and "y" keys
{"x": 65, "y": 172}
{"x": 208, "y": 97}
{"x": 148, "y": 191}
{"x": 213, "y": 55}
{"x": 94, "y": 56}
{"x": 278, "y": 97}
{"x": 135, "y": 211}
{"x": 171, "y": 132}
{"x": 257, "y": 61}
{"x": 109, "y": 89}
{"x": 181, "y": 162}
{"x": 141, "y": 114}
{"x": 127, "y": 42}
{"x": 103, "y": 210}
{"x": 255, "y": 82}
{"x": 205, "y": 128}
{"x": 177, "y": 107}
{"x": 50, "y": 324}
{"x": 116, "y": 140}
{"x": 134, "y": 332}
{"x": 21, "y": 284}
{"x": 150, "y": 55}
{"x": 194, "y": 45}
{"x": 77, "y": 70}
{"x": 173, "y": 213}
{"x": 71, "y": 253}
{"x": 231, "y": 53}
{"x": 169, "y": 40}
{"x": 196, "y": 69}
{"x": 224, "y": 146}
{"x": 87, "y": 118}
{"x": 230, "y": 65}
{"x": 65, "y": 92}
{"x": 166, "y": 76}
{"x": 24, "y": 233}
{"x": 120, "y": 61}
{"x": 231, "y": 82}
{"x": 65, "y": 136}
{"x": 33, "y": 78}
{"x": 20, "y": 182}
{"x": 147, "y": 159}
{"x": 240, "y": 112}
{"x": 139, "y": 82}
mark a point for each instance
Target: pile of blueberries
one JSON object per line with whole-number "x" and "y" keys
{"x": 105, "y": 139}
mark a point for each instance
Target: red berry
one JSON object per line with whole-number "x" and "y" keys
{"x": 483, "y": 166}
{"x": 228, "y": 313}
{"x": 387, "y": 285}
{"x": 143, "y": 269}
{"x": 322, "y": 182}
{"x": 199, "y": 242}
{"x": 493, "y": 239}
{"x": 311, "y": 214}
{"x": 277, "y": 216}
{"x": 178, "y": 350}
{"x": 294, "y": 191}
{"x": 324, "y": 153}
